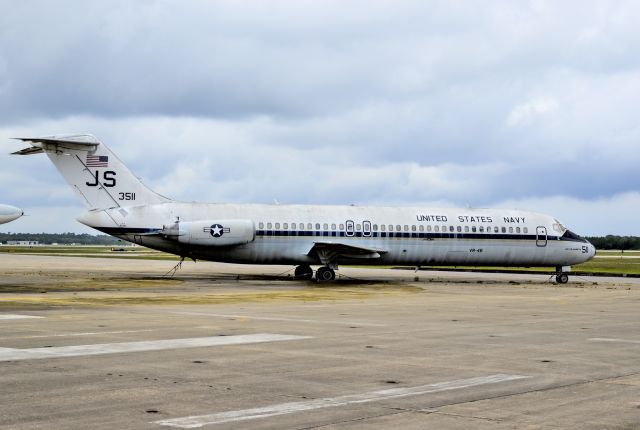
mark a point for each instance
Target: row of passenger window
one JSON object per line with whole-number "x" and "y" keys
{"x": 391, "y": 227}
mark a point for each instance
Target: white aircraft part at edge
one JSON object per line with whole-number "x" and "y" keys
{"x": 118, "y": 203}
{"x": 9, "y": 213}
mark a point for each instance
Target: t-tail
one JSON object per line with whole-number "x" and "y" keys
{"x": 94, "y": 173}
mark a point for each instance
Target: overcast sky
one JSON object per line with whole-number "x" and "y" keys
{"x": 517, "y": 104}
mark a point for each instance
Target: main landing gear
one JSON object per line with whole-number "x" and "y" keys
{"x": 303, "y": 271}
{"x": 323, "y": 274}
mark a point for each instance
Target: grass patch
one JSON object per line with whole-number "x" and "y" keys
{"x": 68, "y": 249}
{"x": 617, "y": 252}
{"x": 623, "y": 265}
{"x": 310, "y": 294}
{"x": 128, "y": 252}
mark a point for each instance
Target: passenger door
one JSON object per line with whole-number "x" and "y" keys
{"x": 541, "y": 236}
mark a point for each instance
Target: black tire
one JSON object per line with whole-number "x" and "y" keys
{"x": 562, "y": 278}
{"x": 325, "y": 274}
{"x": 303, "y": 272}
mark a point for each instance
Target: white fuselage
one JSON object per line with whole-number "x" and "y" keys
{"x": 286, "y": 234}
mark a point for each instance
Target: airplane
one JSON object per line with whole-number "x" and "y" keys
{"x": 119, "y": 204}
{"x": 9, "y": 213}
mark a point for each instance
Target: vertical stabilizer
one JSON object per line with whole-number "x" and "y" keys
{"x": 94, "y": 173}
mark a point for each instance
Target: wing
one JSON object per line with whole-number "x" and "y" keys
{"x": 330, "y": 252}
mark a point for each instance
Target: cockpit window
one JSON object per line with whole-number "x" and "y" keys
{"x": 569, "y": 235}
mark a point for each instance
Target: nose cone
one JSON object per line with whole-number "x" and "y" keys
{"x": 9, "y": 213}
{"x": 589, "y": 252}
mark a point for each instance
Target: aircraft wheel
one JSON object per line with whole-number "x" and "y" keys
{"x": 303, "y": 272}
{"x": 562, "y": 278}
{"x": 325, "y": 274}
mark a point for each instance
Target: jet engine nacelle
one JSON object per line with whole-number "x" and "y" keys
{"x": 223, "y": 232}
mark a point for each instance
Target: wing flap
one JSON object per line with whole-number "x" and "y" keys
{"x": 334, "y": 250}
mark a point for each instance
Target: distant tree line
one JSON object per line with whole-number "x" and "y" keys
{"x": 615, "y": 242}
{"x": 62, "y": 238}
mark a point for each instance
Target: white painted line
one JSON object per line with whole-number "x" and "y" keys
{"x": 363, "y": 324}
{"x": 606, "y": 339}
{"x": 7, "y": 354}
{"x": 89, "y": 333}
{"x": 330, "y": 402}
{"x": 16, "y": 316}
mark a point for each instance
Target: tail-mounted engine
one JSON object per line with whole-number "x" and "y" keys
{"x": 225, "y": 232}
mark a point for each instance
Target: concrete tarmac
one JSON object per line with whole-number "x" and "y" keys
{"x": 94, "y": 343}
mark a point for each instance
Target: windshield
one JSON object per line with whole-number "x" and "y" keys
{"x": 569, "y": 235}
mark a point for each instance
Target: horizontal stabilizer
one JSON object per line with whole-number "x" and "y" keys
{"x": 78, "y": 142}
{"x": 28, "y": 151}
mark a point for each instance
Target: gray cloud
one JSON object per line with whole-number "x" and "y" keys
{"x": 295, "y": 58}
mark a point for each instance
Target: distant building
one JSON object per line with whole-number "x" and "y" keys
{"x": 23, "y": 242}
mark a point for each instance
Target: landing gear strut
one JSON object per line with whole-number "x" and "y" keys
{"x": 325, "y": 274}
{"x": 329, "y": 258}
{"x": 303, "y": 272}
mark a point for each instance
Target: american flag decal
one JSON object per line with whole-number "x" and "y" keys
{"x": 97, "y": 160}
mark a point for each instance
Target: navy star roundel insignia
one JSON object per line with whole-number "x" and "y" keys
{"x": 217, "y": 230}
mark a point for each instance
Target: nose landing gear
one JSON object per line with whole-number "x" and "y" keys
{"x": 562, "y": 277}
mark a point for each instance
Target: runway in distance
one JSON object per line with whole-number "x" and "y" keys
{"x": 9, "y": 213}
{"x": 119, "y": 204}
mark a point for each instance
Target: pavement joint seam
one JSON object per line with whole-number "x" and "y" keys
{"x": 449, "y": 414}
{"x": 355, "y": 420}
{"x": 539, "y": 390}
